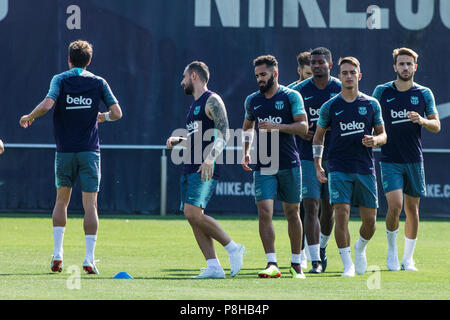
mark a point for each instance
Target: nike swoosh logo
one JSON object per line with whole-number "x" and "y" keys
{"x": 256, "y": 107}
{"x": 307, "y": 98}
{"x": 338, "y": 113}
{"x": 389, "y": 100}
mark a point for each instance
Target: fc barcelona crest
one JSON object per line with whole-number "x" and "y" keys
{"x": 362, "y": 111}
{"x": 279, "y": 105}
{"x": 414, "y": 100}
{"x": 197, "y": 110}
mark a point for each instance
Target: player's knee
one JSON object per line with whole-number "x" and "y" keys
{"x": 395, "y": 208}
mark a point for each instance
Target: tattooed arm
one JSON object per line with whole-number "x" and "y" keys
{"x": 216, "y": 111}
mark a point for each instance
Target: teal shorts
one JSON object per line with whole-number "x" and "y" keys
{"x": 194, "y": 191}
{"x": 409, "y": 177}
{"x": 353, "y": 188}
{"x": 312, "y": 188}
{"x": 285, "y": 185}
{"x": 86, "y": 165}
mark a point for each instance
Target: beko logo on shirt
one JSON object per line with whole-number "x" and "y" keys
{"x": 192, "y": 126}
{"x": 314, "y": 114}
{"x": 399, "y": 114}
{"x": 353, "y": 127}
{"x": 271, "y": 119}
{"x": 78, "y": 102}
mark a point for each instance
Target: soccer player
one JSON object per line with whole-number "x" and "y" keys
{"x": 303, "y": 67}
{"x": 2, "y": 147}
{"x": 76, "y": 95}
{"x": 407, "y": 107}
{"x": 315, "y": 92}
{"x": 278, "y": 111}
{"x": 199, "y": 179}
{"x": 352, "y": 117}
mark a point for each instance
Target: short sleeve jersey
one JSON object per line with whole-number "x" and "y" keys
{"x": 404, "y": 144}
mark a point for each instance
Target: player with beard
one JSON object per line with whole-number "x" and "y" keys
{"x": 198, "y": 180}
{"x": 278, "y": 111}
{"x": 303, "y": 67}
{"x": 352, "y": 117}
{"x": 407, "y": 107}
{"x": 315, "y": 92}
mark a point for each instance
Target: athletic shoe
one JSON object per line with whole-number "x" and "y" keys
{"x": 236, "y": 260}
{"x": 211, "y": 273}
{"x": 271, "y": 271}
{"x": 409, "y": 266}
{"x": 323, "y": 258}
{"x": 360, "y": 260}
{"x": 296, "y": 271}
{"x": 316, "y": 267}
{"x": 392, "y": 262}
{"x": 56, "y": 265}
{"x": 89, "y": 267}
{"x": 349, "y": 272}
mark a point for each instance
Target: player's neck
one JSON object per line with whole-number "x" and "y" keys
{"x": 321, "y": 82}
{"x": 272, "y": 91}
{"x": 403, "y": 85}
{"x": 349, "y": 95}
{"x": 198, "y": 92}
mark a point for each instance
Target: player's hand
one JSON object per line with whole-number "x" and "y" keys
{"x": 309, "y": 135}
{"x": 246, "y": 162}
{"x": 369, "y": 141}
{"x": 415, "y": 117}
{"x": 26, "y": 121}
{"x": 265, "y": 125}
{"x": 2, "y": 147}
{"x": 173, "y": 141}
{"x": 321, "y": 175}
{"x": 101, "y": 117}
{"x": 206, "y": 170}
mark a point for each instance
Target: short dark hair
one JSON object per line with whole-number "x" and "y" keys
{"x": 268, "y": 60}
{"x": 323, "y": 51}
{"x": 351, "y": 60}
{"x": 404, "y": 51}
{"x": 80, "y": 53}
{"x": 199, "y": 68}
{"x": 304, "y": 59}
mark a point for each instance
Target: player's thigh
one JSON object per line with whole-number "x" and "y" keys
{"x": 415, "y": 179}
{"x": 89, "y": 171}
{"x": 66, "y": 169}
{"x": 341, "y": 187}
{"x": 289, "y": 185}
{"x": 365, "y": 191}
{"x": 195, "y": 191}
{"x": 392, "y": 176}
{"x": 266, "y": 186}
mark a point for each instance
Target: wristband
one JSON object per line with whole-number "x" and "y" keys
{"x": 317, "y": 150}
{"x": 107, "y": 117}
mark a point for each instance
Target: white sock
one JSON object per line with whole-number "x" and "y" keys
{"x": 295, "y": 258}
{"x": 231, "y": 247}
{"x": 409, "y": 249}
{"x": 213, "y": 263}
{"x": 306, "y": 249}
{"x": 346, "y": 257}
{"x": 90, "y": 246}
{"x": 392, "y": 239}
{"x": 314, "y": 252}
{"x": 361, "y": 244}
{"x": 324, "y": 240}
{"x": 58, "y": 238}
{"x": 271, "y": 257}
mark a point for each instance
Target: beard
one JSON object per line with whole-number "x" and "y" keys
{"x": 189, "y": 89}
{"x": 268, "y": 86}
{"x": 403, "y": 78}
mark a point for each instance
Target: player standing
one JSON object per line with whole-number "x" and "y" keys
{"x": 199, "y": 179}
{"x": 76, "y": 95}
{"x": 303, "y": 67}
{"x": 277, "y": 110}
{"x": 404, "y": 104}
{"x": 315, "y": 92}
{"x": 352, "y": 116}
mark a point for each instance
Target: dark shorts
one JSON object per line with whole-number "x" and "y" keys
{"x": 86, "y": 165}
{"x": 194, "y": 191}
{"x": 285, "y": 185}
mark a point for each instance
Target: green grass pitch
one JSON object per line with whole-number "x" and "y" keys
{"x": 162, "y": 256}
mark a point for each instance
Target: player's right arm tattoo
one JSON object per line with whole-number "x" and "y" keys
{"x": 217, "y": 111}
